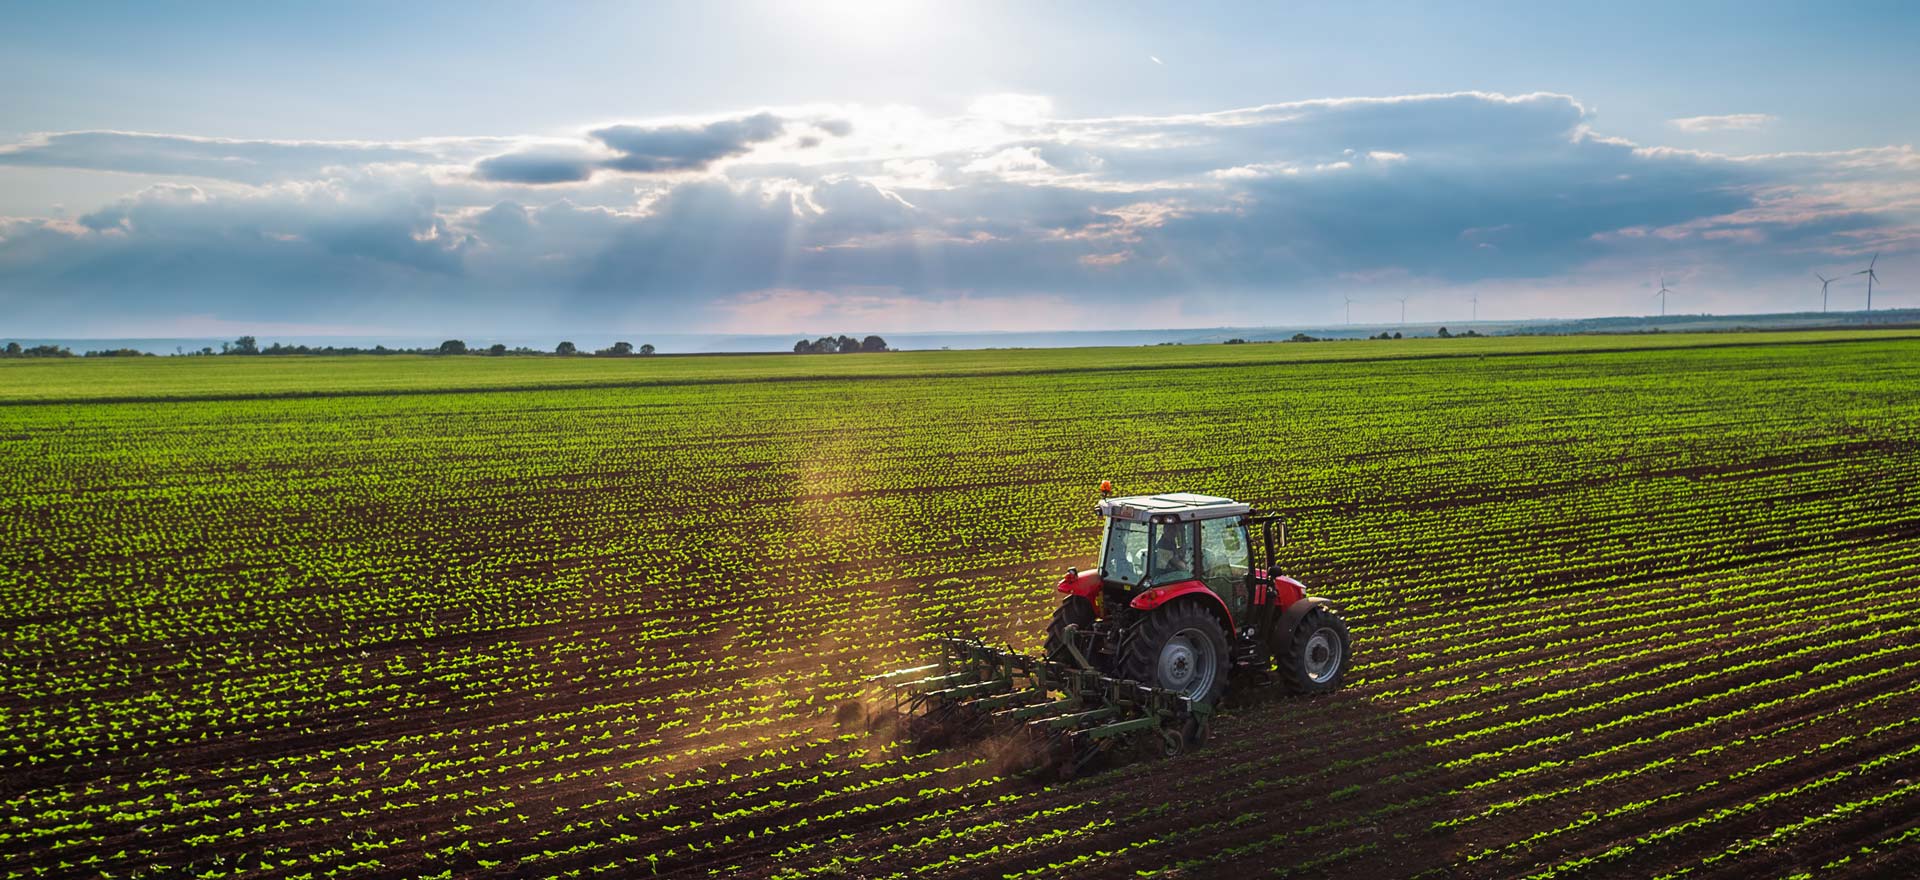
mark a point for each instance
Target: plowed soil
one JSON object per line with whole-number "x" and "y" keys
{"x": 1616, "y": 613}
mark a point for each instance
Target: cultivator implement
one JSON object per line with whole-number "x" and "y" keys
{"x": 1071, "y": 715}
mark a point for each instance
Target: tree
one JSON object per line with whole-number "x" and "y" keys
{"x": 840, "y": 345}
{"x": 497, "y": 349}
{"x": 453, "y": 346}
{"x": 245, "y": 345}
{"x": 565, "y": 348}
{"x": 13, "y": 349}
{"x": 646, "y": 348}
{"x": 619, "y": 349}
{"x": 1443, "y": 334}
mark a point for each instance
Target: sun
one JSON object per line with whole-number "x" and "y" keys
{"x": 865, "y": 22}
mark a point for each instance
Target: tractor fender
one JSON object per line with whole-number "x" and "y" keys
{"x": 1158, "y": 596}
{"x": 1085, "y": 584}
{"x": 1295, "y": 613}
{"x": 1287, "y": 591}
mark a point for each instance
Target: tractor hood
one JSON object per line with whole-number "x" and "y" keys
{"x": 1085, "y": 584}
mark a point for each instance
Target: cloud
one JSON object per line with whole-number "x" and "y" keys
{"x": 1012, "y": 163}
{"x": 536, "y": 168}
{"x": 910, "y": 221}
{"x": 810, "y": 312}
{"x": 507, "y": 223}
{"x": 1012, "y": 108}
{"x": 650, "y": 148}
{"x": 653, "y": 149}
{"x": 1729, "y": 122}
{"x": 180, "y": 249}
{"x": 249, "y": 161}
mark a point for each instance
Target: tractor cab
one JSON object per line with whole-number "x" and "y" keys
{"x": 1159, "y": 540}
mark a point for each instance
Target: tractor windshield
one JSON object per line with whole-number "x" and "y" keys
{"x": 1137, "y": 554}
{"x": 1123, "y": 555}
{"x": 1171, "y": 556}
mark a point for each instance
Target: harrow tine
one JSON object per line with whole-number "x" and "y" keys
{"x": 1042, "y": 710}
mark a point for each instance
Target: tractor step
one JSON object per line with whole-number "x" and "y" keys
{"x": 1073, "y": 715}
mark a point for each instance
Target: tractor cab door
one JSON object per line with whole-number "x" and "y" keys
{"x": 1226, "y": 562}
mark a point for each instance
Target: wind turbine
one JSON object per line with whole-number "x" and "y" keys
{"x": 1663, "y": 295}
{"x": 1824, "y": 281}
{"x": 1403, "y": 311}
{"x": 1870, "y": 278}
{"x": 1349, "y": 307}
{"x": 1476, "y": 307}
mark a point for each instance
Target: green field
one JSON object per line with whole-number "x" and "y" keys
{"x": 1623, "y": 606}
{"x": 136, "y": 379}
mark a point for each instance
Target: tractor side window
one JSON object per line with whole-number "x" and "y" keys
{"x": 1172, "y": 553}
{"x": 1224, "y": 560}
{"x": 1124, "y": 558}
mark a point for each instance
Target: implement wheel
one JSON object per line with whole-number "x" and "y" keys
{"x": 1196, "y": 732}
{"x": 1317, "y": 653}
{"x": 1178, "y": 647}
{"x": 1076, "y": 611}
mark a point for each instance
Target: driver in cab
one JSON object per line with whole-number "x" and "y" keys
{"x": 1172, "y": 556}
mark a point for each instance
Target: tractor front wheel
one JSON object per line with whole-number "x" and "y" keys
{"x": 1181, "y": 648}
{"x": 1317, "y": 654}
{"x": 1075, "y": 611}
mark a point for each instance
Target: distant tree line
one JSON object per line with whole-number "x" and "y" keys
{"x": 248, "y": 345}
{"x": 839, "y": 345}
{"x": 616, "y": 350}
{"x": 1442, "y": 334}
{"x": 16, "y": 350}
{"x": 39, "y": 351}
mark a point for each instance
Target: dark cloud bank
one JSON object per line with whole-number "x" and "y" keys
{"x": 1264, "y": 213}
{"x": 644, "y": 149}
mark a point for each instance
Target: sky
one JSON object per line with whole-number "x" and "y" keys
{"x": 815, "y": 167}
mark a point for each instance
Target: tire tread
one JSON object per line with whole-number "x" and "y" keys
{"x": 1292, "y": 661}
{"x": 1141, "y": 651}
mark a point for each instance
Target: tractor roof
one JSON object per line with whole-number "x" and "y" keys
{"x": 1177, "y": 506}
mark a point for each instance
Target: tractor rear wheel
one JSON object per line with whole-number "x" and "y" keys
{"x": 1075, "y": 611}
{"x": 1181, "y": 648}
{"x": 1317, "y": 653}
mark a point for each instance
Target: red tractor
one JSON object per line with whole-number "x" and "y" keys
{"x": 1141, "y": 648}
{"x": 1178, "y": 602}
